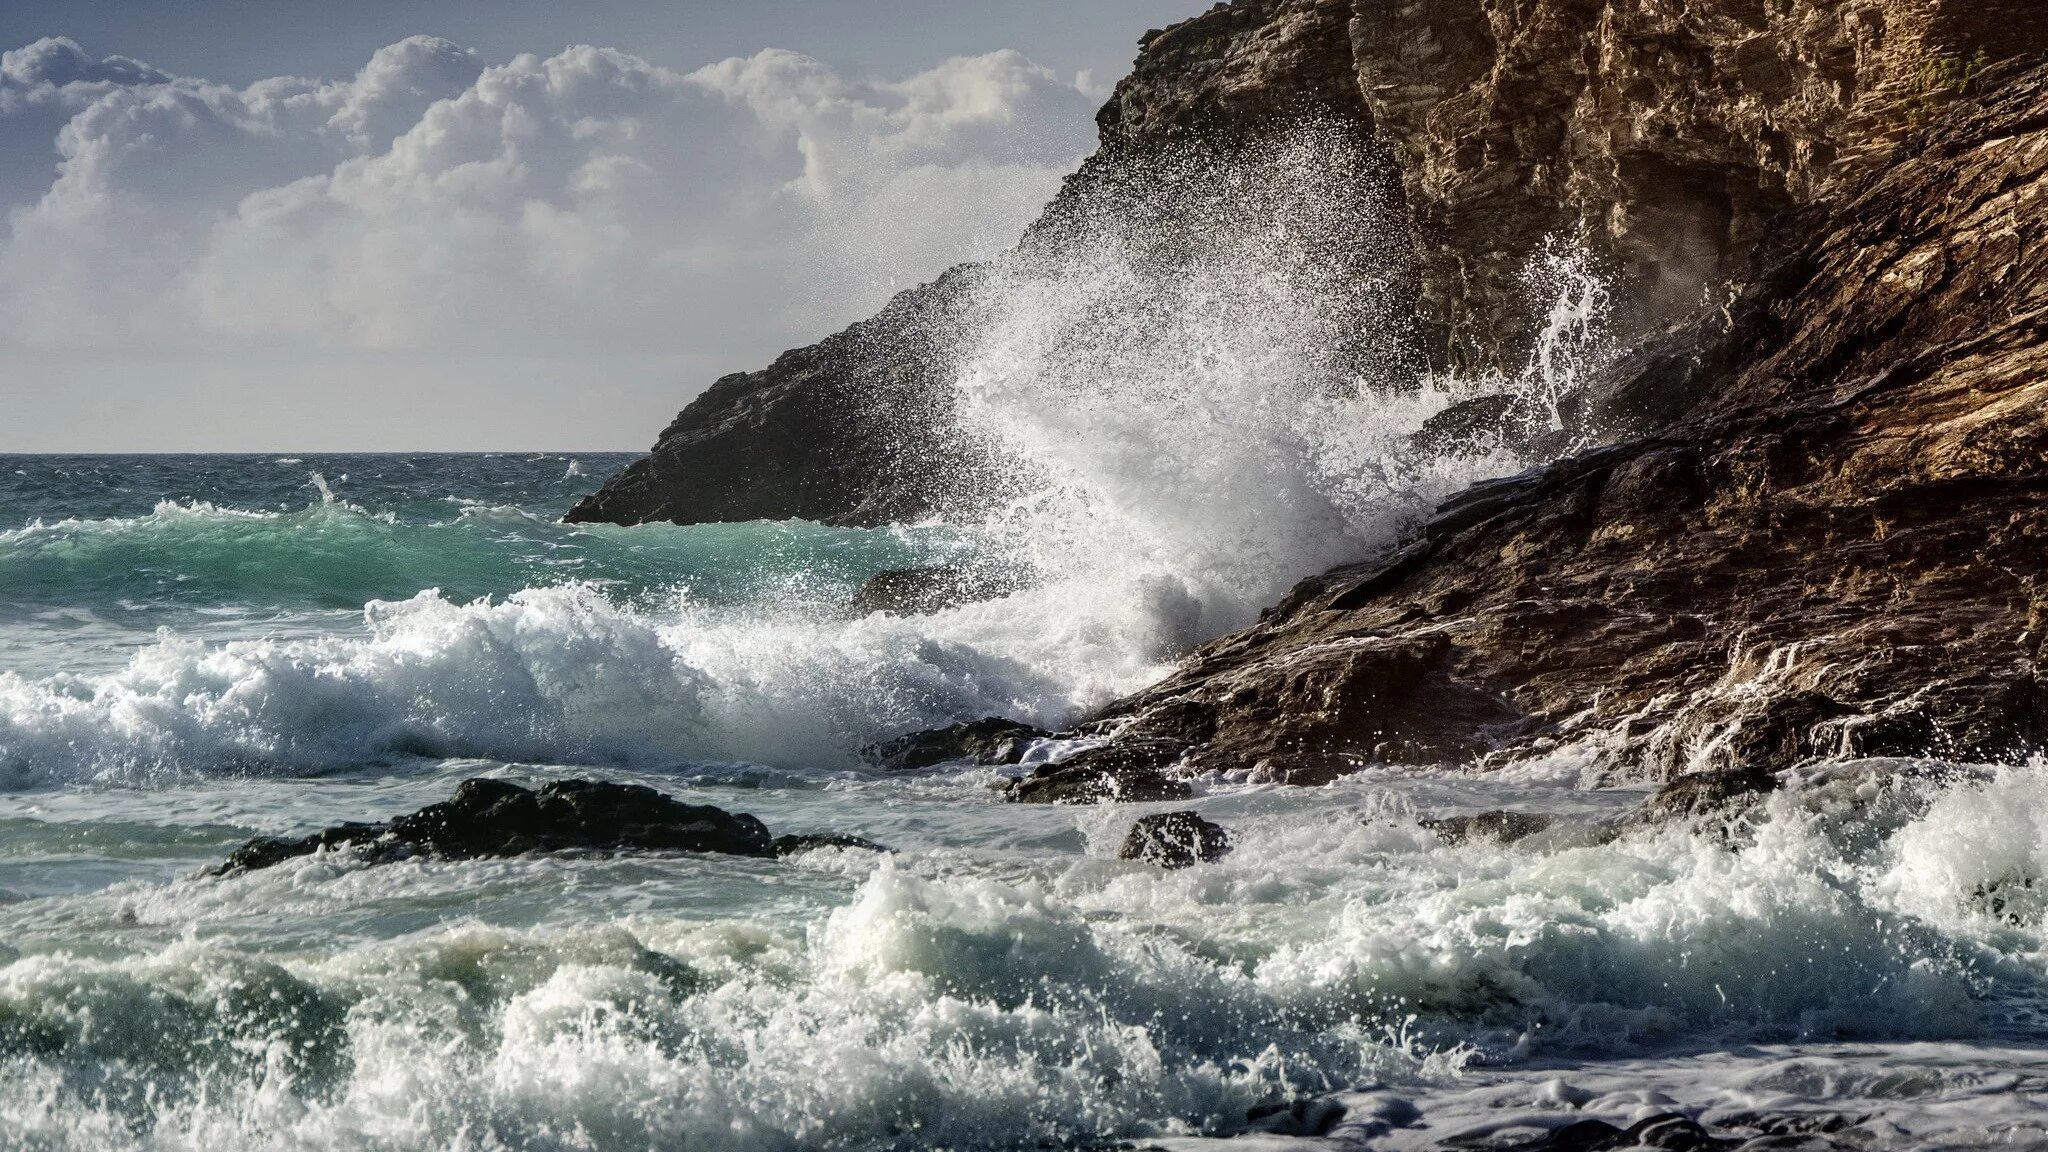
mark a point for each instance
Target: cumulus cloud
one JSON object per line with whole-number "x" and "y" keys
{"x": 588, "y": 203}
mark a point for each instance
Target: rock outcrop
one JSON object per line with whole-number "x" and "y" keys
{"x": 493, "y": 818}
{"x": 1836, "y": 553}
{"x": 1667, "y": 138}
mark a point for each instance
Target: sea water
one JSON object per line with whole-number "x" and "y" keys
{"x": 191, "y": 661}
{"x": 198, "y": 650}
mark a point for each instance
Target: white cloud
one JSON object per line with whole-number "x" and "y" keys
{"x": 585, "y": 205}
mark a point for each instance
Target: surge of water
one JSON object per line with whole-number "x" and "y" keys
{"x": 975, "y": 997}
{"x": 1186, "y": 394}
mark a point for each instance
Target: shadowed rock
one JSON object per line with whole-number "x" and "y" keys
{"x": 493, "y": 818}
{"x": 1175, "y": 840}
{"x": 1130, "y": 772}
{"x": 1501, "y": 826}
{"x": 992, "y": 740}
{"x": 919, "y": 591}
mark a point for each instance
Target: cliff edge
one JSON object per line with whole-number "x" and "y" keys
{"x": 1836, "y": 554}
{"x": 1668, "y": 140}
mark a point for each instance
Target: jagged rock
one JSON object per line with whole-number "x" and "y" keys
{"x": 1175, "y": 840}
{"x": 489, "y": 817}
{"x": 1834, "y": 555}
{"x": 1502, "y": 826}
{"x": 918, "y": 591}
{"x": 992, "y": 740}
{"x": 1129, "y": 771}
{"x": 1467, "y": 427}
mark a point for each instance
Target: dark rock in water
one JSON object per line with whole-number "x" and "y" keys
{"x": 917, "y": 591}
{"x": 488, "y": 818}
{"x": 992, "y": 740}
{"x": 1469, "y": 426}
{"x": 1175, "y": 840}
{"x": 791, "y": 845}
{"x": 1502, "y": 826}
{"x": 1698, "y": 794}
{"x": 1836, "y": 554}
{"x": 1670, "y": 1131}
{"x": 1128, "y": 772}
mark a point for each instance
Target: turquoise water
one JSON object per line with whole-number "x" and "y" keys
{"x": 196, "y": 650}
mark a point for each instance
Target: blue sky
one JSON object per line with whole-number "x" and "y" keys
{"x": 458, "y": 225}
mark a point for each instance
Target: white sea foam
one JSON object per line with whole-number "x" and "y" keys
{"x": 976, "y": 999}
{"x": 1186, "y": 419}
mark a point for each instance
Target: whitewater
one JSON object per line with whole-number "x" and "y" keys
{"x": 198, "y": 650}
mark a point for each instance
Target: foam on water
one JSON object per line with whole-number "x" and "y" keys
{"x": 955, "y": 998}
{"x": 1170, "y": 434}
{"x": 1166, "y": 433}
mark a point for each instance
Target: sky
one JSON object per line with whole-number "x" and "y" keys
{"x": 458, "y": 225}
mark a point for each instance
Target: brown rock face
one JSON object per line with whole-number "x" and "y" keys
{"x": 1667, "y": 137}
{"x": 1838, "y": 553}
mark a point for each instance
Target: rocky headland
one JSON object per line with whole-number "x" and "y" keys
{"x": 1810, "y": 521}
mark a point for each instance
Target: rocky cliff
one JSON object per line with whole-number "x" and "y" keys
{"x": 1837, "y": 553}
{"x": 1667, "y": 138}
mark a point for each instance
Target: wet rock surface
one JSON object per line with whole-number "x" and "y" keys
{"x": 992, "y": 740}
{"x": 1836, "y": 555}
{"x": 1175, "y": 840}
{"x": 1499, "y": 826}
{"x": 917, "y": 591}
{"x": 1128, "y": 771}
{"x": 493, "y": 818}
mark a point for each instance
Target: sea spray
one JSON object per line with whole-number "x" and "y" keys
{"x": 1184, "y": 394}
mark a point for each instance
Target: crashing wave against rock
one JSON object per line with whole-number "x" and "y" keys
{"x": 1809, "y": 532}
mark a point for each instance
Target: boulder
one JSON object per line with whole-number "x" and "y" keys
{"x": 1125, "y": 771}
{"x": 493, "y": 818}
{"x": 1500, "y": 826}
{"x": 920, "y": 591}
{"x": 1175, "y": 840}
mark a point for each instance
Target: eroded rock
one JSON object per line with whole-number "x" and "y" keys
{"x": 1129, "y": 771}
{"x": 1501, "y": 826}
{"x": 919, "y": 591}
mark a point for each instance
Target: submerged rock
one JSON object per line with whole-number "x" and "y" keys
{"x": 1501, "y": 826}
{"x": 919, "y": 591}
{"x": 992, "y": 740}
{"x": 1175, "y": 840}
{"x": 491, "y": 818}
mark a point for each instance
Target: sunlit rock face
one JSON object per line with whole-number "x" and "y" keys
{"x": 1466, "y": 137}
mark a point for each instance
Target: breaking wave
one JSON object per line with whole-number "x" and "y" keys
{"x": 972, "y": 999}
{"x": 1182, "y": 402}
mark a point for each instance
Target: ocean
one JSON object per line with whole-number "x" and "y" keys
{"x": 195, "y": 650}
